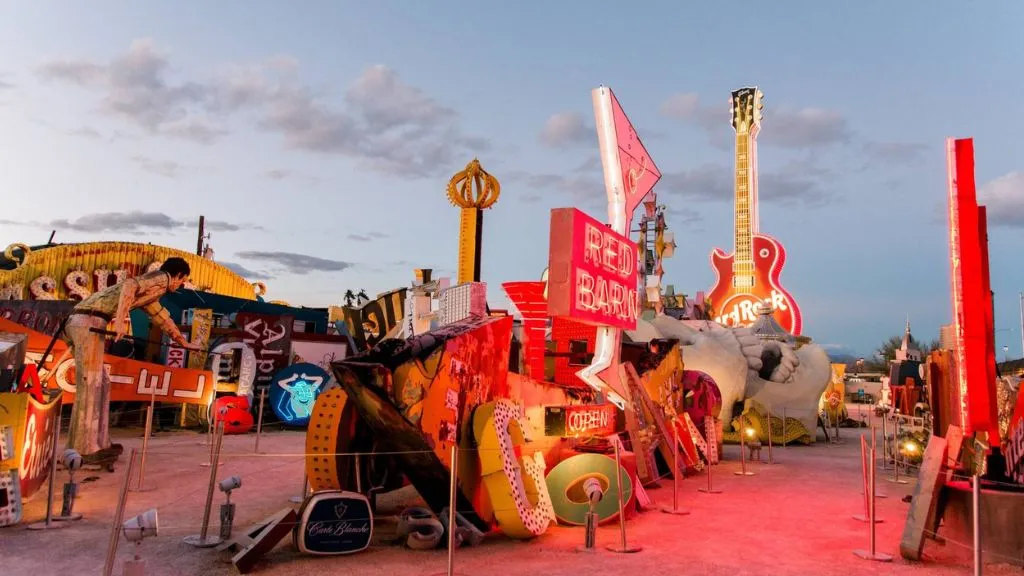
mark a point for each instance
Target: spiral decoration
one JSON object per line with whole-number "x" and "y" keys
{"x": 9, "y": 253}
{"x": 473, "y": 187}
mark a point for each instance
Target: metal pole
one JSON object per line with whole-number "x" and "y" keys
{"x": 771, "y": 460}
{"x": 115, "y": 527}
{"x": 885, "y": 442}
{"x": 623, "y": 547}
{"x": 976, "y": 521}
{"x": 1022, "y": 324}
{"x": 145, "y": 441}
{"x": 866, "y": 491}
{"x": 53, "y": 470}
{"x": 743, "y": 452}
{"x": 676, "y": 473}
{"x": 872, "y": 553}
{"x": 784, "y": 443}
{"x": 871, "y": 502}
{"x": 203, "y": 540}
{"x": 259, "y": 420}
{"x": 877, "y": 494}
{"x": 452, "y": 498}
{"x": 48, "y": 523}
{"x": 709, "y": 489}
{"x": 896, "y": 453}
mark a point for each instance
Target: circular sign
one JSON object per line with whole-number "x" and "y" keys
{"x": 294, "y": 390}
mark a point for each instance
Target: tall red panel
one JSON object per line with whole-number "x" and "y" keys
{"x": 529, "y": 299}
{"x": 990, "y": 328}
{"x": 968, "y": 289}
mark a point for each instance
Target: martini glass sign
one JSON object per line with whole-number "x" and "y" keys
{"x": 294, "y": 390}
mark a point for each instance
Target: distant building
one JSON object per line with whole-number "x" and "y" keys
{"x": 946, "y": 338}
{"x": 908, "y": 349}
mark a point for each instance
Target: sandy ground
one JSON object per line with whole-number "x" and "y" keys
{"x": 790, "y": 518}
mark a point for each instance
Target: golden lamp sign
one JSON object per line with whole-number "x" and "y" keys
{"x": 74, "y": 271}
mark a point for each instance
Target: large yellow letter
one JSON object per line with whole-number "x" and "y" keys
{"x": 522, "y": 505}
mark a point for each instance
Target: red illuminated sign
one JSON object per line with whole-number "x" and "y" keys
{"x": 970, "y": 293}
{"x": 583, "y": 421}
{"x": 592, "y": 272}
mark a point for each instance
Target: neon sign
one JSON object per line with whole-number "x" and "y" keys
{"x": 294, "y": 392}
{"x": 592, "y": 272}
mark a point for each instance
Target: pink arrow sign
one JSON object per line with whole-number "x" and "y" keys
{"x": 639, "y": 174}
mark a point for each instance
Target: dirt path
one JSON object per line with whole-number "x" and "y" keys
{"x": 790, "y": 518}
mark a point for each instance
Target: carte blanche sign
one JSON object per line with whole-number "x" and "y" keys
{"x": 334, "y": 522}
{"x": 592, "y": 275}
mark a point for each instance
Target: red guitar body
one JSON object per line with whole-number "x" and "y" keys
{"x": 737, "y": 306}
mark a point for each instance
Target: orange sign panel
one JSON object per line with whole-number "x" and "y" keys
{"x": 33, "y": 424}
{"x": 130, "y": 380}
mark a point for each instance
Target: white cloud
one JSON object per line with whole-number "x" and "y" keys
{"x": 1004, "y": 200}
{"x": 381, "y": 121}
{"x": 566, "y": 128}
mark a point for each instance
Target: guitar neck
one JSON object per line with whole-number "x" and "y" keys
{"x": 746, "y": 208}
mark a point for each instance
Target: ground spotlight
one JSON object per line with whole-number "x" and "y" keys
{"x": 227, "y": 510}
{"x": 137, "y": 529}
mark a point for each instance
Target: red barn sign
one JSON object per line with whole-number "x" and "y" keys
{"x": 592, "y": 272}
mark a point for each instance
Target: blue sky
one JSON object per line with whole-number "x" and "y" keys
{"x": 319, "y": 136}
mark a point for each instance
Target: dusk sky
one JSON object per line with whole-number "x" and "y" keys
{"x": 318, "y": 137}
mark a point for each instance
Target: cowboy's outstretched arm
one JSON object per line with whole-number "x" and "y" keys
{"x": 160, "y": 316}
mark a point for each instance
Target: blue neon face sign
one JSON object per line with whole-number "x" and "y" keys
{"x": 294, "y": 391}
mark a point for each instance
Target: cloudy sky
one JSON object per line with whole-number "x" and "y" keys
{"x": 318, "y": 137}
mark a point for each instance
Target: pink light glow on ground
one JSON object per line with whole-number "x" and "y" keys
{"x": 793, "y": 518}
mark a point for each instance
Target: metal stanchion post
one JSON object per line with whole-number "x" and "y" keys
{"x": 203, "y": 540}
{"x": 145, "y": 443}
{"x": 115, "y": 527}
{"x": 676, "y": 473}
{"x": 785, "y": 444}
{"x": 771, "y": 459}
{"x": 709, "y": 489}
{"x": 623, "y": 547}
{"x": 865, "y": 477}
{"x": 452, "y": 498}
{"x": 743, "y": 452}
{"x": 976, "y": 521}
{"x": 885, "y": 442}
{"x": 259, "y": 421}
{"x": 453, "y": 491}
{"x": 896, "y": 453}
{"x": 871, "y": 553}
{"x": 49, "y": 523}
{"x": 873, "y": 451}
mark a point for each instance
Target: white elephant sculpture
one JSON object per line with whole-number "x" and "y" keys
{"x": 735, "y": 358}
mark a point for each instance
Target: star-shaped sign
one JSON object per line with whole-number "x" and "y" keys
{"x": 604, "y": 374}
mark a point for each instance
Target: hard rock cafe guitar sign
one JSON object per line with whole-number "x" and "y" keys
{"x": 750, "y": 275}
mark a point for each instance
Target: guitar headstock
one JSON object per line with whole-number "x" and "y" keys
{"x": 746, "y": 105}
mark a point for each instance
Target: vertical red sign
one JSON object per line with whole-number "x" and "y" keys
{"x": 971, "y": 298}
{"x": 270, "y": 338}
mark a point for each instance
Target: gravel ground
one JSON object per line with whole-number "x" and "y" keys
{"x": 790, "y": 518}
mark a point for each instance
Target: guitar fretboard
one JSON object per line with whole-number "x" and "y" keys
{"x": 743, "y": 263}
